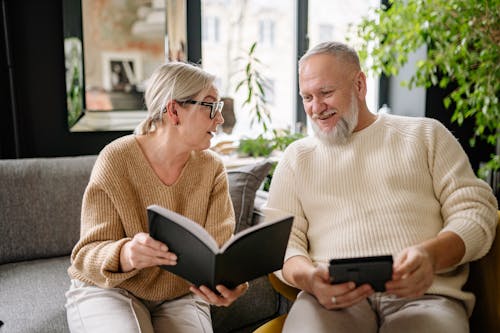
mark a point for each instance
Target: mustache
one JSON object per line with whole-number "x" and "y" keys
{"x": 324, "y": 114}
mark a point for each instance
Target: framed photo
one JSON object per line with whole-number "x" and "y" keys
{"x": 122, "y": 72}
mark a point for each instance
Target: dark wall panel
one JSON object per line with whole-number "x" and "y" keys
{"x": 434, "y": 108}
{"x": 7, "y": 144}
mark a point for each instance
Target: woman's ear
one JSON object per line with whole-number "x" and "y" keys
{"x": 171, "y": 112}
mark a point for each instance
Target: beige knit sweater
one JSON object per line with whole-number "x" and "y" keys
{"x": 121, "y": 186}
{"x": 395, "y": 184}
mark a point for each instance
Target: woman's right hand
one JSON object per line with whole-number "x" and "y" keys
{"x": 144, "y": 251}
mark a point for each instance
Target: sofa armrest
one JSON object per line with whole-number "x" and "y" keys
{"x": 483, "y": 282}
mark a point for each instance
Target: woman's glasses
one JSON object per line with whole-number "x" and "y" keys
{"x": 214, "y": 106}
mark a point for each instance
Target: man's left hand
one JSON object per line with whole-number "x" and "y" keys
{"x": 413, "y": 273}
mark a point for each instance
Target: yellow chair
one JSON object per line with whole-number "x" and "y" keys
{"x": 276, "y": 325}
{"x": 484, "y": 282}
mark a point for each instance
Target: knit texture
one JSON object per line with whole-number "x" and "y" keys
{"x": 396, "y": 183}
{"x": 122, "y": 185}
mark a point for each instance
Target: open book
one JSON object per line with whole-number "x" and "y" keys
{"x": 253, "y": 252}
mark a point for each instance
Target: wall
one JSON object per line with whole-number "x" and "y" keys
{"x": 36, "y": 48}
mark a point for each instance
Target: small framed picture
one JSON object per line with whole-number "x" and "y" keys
{"x": 122, "y": 72}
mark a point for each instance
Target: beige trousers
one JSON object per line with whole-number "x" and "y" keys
{"x": 380, "y": 313}
{"x": 92, "y": 309}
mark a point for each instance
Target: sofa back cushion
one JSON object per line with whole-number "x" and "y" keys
{"x": 40, "y": 203}
{"x": 243, "y": 185}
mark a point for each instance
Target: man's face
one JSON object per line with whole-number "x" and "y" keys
{"x": 328, "y": 93}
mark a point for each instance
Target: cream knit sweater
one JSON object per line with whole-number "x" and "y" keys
{"x": 121, "y": 186}
{"x": 395, "y": 184}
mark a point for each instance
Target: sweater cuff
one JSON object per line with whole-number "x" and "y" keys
{"x": 477, "y": 240}
{"x": 111, "y": 266}
{"x": 292, "y": 252}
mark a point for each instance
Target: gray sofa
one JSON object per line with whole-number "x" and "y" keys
{"x": 40, "y": 202}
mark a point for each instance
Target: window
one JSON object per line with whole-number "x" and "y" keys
{"x": 243, "y": 23}
{"x": 266, "y": 33}
{"x": 325, "y": 32}
{"x": 210, "y": 30}
{"x": 269, "y": 90}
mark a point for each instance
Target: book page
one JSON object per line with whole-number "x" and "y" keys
{"x": 194, "y": 228}
{"x": 272, "y": 216}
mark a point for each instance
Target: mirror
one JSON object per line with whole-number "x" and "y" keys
{"x": 111, "y": 48}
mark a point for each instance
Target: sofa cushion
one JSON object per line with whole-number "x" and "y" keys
{"x": 32, "y": 296}
{"x": 41, "y": 200}
{"x": 243, "y": 184}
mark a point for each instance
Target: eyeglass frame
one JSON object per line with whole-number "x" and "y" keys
{"x": 214, "y": 106}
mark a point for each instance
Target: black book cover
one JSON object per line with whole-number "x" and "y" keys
{"x": 253, "y": 252}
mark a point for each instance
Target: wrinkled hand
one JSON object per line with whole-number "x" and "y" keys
{"x": 413, "y": 273}
{"x": 144, "y": 251}
{"x": 336, "y": 296}
{"x": 226, "y": 296}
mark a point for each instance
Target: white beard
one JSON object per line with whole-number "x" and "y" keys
{"x": 342, "y": 131}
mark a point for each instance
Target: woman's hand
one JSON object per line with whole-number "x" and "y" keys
{"x": 144, "y": 251}
{"x": 226, "y": 296}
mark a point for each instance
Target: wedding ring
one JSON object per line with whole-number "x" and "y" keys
{"x": 334, "y": 300}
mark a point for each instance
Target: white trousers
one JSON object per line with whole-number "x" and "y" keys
{"x": 380, "y": 313}
{"x": 93, "y": 309}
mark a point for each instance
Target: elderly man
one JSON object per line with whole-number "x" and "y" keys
{"x": 375, "y": 184}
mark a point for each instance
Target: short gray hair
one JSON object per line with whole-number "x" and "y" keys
{"x": 171, "y": 81}
{"x": 336, "y": 49}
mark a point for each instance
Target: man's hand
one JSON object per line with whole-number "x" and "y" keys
{"x": 316, "y": 280}
{"x": 415, "y": 266}
{"x": 226, "y": 296}
{"x": 144, "y": 251}
{"x": 413, "y": 273}
{"x": 336, "y": 296}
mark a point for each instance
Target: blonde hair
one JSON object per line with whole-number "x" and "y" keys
{"x": 171, "y": 81}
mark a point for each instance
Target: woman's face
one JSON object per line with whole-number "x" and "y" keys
{"x": 195, "y": 125}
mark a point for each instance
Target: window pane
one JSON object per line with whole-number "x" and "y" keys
{"x": 330, "y": 20}
{"x": 240, "y": 24}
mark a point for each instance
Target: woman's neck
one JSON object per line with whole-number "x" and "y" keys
{"x": 164, "y": 156}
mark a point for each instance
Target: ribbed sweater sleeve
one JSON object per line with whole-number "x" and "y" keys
{"x": 121, "y": 186}
{"x": 396, "y": 183}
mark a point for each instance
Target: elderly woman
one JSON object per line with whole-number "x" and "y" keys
{"x": 116, "y": 284}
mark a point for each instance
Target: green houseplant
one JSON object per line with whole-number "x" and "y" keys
{"x": 254, "y": 82}
{"x": 269, "y": 140}
{"x": 463, "y": 42}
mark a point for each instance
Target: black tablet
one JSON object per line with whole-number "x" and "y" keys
{"x": 375, "y": 271}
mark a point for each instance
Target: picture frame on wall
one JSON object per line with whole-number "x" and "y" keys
{"x": 122, "y": 71}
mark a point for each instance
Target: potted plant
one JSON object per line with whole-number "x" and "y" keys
{"x": 463, "y": 42}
